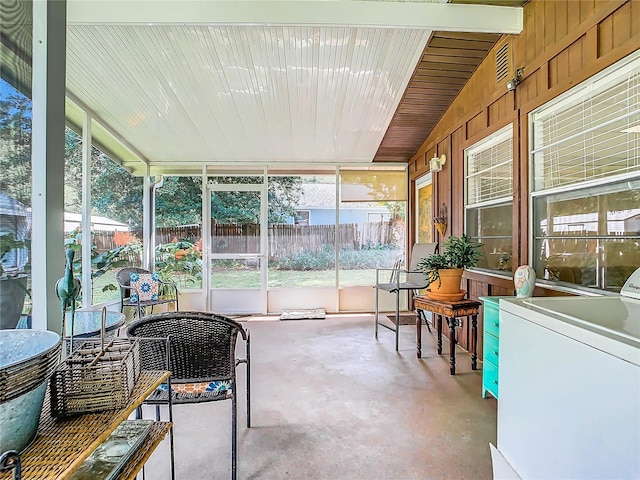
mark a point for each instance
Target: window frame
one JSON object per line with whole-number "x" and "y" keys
{"x": 505, "y": 133}
{"x": 572, "y": 98}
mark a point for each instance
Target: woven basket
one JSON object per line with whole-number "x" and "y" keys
{"x": 95, "y": 377}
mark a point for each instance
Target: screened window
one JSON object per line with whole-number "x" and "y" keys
{"x": 489, "y": 197}
{"x": 586, "y": 181}
{"x": 372, "y": 212}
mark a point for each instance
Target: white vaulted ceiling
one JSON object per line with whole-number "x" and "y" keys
{"x": 258, "y": 94}
{"x": 185, "y": 84}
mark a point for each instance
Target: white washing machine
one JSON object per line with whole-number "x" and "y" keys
{"x": 569, "y": 378}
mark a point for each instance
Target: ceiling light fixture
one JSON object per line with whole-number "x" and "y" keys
{"x": 436, "y": 163}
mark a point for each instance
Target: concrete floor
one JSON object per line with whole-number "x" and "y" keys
{"x": 332, "y": 402}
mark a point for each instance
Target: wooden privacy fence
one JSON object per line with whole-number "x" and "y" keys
{"x": 286, "y": 239}
{"x": 282, "y": 239}
{"x": 184, "y": 232}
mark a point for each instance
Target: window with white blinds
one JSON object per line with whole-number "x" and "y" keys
{"x": 585, "y": 185}
{"x": 489, "y": 169}
{"x": 591, "y": 132}
{"x": 489, "y": 198}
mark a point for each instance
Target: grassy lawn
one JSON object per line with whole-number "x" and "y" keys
{"x": 291, "y": 278}
{"x": 251, "y": 279}
{"x": 98, "y": 295}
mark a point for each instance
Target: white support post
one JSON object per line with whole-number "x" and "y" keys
{"x": 206, "y": 240}
{"x": 146, "y": 222}
{"x": 87, "y": 291}
{"x": 264, "y": 240}
{"x": 149, "y": 220}
{"x": 336, "y": 226}
{"x": 47, "y": 160}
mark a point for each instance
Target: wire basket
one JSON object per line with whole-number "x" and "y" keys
{"x": 95, "y": 377}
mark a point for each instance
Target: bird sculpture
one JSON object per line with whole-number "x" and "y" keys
{"x": 68, "y": 290}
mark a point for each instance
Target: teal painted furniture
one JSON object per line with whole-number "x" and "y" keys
{"x": 491, "y": 344}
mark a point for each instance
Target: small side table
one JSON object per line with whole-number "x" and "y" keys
{"x": 87, "y": 323}
{"x": 452, "y": 312}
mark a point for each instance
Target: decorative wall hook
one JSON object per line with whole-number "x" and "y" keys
{"x": 441, "y": 220}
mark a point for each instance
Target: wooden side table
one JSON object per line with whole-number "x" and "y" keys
{"x": 452, "y": 312}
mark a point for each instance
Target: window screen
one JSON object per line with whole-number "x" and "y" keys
{"x": 373, "y": 185}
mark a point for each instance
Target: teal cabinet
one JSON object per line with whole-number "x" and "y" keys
{"x": 491, "y": 344}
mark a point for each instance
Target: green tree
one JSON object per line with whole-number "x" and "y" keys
{"x": 179, "y": 202}
{"x": 15, "y": 147}
{"x": 115, "y": 192}
{"x": 283, "y": 194}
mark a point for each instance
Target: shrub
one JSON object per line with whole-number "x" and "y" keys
{"x": 325, "y": 259}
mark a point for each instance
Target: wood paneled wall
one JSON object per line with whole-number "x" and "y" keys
{"x": 563, "y": 43}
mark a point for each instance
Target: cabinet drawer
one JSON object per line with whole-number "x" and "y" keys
{"x": 492, "y": 318}
{"x": 490, "y": 378}
{"x": 491, "y": 346}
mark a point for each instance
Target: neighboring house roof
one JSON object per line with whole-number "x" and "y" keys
{"x": 10, "y": 206}
{"x": 74, "y": 220}
{"x": 15, "y": 219}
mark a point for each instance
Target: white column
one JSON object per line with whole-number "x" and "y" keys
{"x": 47, "y": 160}
{"x": 87, "y": 292}
{"x": 149, "y": 220}
{"x": 147, "y": 253}
{"x": 206, "y": 240}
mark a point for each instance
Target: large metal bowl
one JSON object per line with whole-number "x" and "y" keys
{"x": 27, "y": 360}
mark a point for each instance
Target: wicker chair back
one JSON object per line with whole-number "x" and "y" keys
{"x": 202, "y": 351}
{"x": 201, "y": 345}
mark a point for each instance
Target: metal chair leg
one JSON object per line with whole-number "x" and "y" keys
{"x": 171, "y": 444}
{"x": 397, "y": 320}
{"x": 248, "y": 379}
{"x": 234, "y": 422}
{"x": 377, "y": 312}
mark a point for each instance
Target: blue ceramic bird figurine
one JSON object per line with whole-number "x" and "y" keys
{"x": 68, "y": 290}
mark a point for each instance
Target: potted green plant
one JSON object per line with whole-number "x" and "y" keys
{"x": 444, "y": 270}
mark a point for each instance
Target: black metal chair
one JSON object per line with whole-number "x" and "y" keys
{"x": 401, "y": 280}
{"x": 201, "y": 358}
{"x": 130, "y": 296}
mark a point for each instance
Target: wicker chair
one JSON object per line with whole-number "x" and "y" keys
{"x": 201, "y": 359}
{"x": 131, "y": 297}
{"x": 403, "y": 280}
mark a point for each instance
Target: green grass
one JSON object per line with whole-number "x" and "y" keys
{"x": 98, "y": 295}
{"x": 292, "y": 278}
{"x": 251, "y": 279}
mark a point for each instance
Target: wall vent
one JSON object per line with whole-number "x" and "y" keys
{"x": 503, "y": 62}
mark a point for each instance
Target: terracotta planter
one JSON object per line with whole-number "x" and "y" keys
{"x": 449, "y": 283}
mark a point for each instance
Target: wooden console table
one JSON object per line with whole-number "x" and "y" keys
{"x": 63, "y": 444}
{"x": 452, "y": 312}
